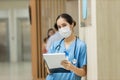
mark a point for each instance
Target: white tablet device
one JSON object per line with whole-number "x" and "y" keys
{"x": 53, "y": 60}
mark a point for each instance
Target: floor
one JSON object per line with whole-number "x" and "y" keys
{"x": 15, "y": 71}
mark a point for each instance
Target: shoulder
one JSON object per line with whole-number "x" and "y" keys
{"x": 58, "y": 42}
{"x": 82, "y": 48}
{"x": 80, "y": 43}
{"x": 55, "y": 37}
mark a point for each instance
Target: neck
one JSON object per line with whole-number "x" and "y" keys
{"x": 70, "y": 38}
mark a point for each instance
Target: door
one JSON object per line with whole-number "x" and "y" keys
{"x": 24, "y": 39}
{"x": 4, "y": 46}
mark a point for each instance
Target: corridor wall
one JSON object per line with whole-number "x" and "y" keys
{"x": 108, "y": 39}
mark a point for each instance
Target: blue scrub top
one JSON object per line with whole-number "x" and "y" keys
{"x": 80, "y": 55}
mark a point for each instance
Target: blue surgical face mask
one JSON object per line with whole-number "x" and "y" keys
{"x": 65, "y": 31}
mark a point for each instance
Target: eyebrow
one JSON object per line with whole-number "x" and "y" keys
{"x": 64, "y": 24}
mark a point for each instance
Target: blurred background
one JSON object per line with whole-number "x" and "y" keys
{"x": 15, "y": 40}
{"x": 98, "y": 24}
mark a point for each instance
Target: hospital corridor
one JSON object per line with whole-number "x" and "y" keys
{"x": 27, "y": 26}
{"x": 15, "y": 40}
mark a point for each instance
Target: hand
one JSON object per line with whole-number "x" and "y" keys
{"x": 66, "y": 64}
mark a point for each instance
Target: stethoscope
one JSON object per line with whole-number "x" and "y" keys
{"x": 74, "y": 61}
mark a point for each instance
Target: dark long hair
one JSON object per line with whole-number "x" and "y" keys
{"x": 51, "y": 29}
{"x": 67, "y": 17}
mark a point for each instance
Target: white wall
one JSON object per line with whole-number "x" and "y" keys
{"x": 108, "y": 37}
{"x": 103, "y": 40}
{"x": 89, "y": 35}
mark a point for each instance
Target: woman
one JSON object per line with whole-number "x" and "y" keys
{"x": 73, "y": 47}
{"x": 50, "y": 32}
{"x": 44, "y": 50}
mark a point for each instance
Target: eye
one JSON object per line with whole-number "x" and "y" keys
{"x": 64, "y": 25}
{"x": 59, "y": 27}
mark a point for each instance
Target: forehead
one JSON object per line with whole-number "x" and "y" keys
{"x": 61, "y": 20}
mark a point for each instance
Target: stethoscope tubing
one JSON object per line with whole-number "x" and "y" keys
{"x": 59, "y": 45}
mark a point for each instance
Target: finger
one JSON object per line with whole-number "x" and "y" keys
{"x": 65, "y": 61}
